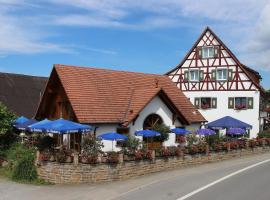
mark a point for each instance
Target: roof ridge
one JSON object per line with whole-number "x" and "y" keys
{"x": 22, "y": 75}
{"x": 105, "y": 69}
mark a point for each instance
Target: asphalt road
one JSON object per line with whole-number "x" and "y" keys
{"x": 238, "y": 179}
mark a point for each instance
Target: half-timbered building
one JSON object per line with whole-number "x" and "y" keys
{"x": 217, "y": 83}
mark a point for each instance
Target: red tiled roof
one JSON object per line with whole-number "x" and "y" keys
{"x": 109, "y": 96}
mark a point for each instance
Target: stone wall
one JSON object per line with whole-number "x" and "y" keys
{"x": 63, "y": 173}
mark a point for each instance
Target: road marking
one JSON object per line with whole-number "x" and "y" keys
{"x": 221, "y": 179}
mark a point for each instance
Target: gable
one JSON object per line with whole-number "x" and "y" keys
{"x": 241, "y": 78}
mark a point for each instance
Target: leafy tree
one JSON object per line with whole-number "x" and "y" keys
{"x": 132, "y": 143}
{"x": 163, "y": 130}
{"x": 6, "y": 133}
{"x": 91, "y": 145}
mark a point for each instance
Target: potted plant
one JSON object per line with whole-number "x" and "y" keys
{"x": 113, "y": 157}
{"x": 139, "y": 155}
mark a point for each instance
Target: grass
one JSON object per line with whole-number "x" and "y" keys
{"x": 6, "y": 173}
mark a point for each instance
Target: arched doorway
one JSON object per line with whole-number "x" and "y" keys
{"x": 151, "y": 120}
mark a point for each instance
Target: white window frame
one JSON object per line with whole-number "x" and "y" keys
{"x": 208, "y": 52}
{"x": 194, "y": 80}
{"x": 222, "y": 78}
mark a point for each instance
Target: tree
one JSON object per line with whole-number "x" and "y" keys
{"x": 163, "y": 130}
{"x": 6, "y": 133}
{"x": 91, "y": 145}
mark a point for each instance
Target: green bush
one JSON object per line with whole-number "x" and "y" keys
{"x": 163, "y": 130}
{"x": 25, "y": 170}
{"x": 7, "y": 136}
{"x": 22, "y": 164}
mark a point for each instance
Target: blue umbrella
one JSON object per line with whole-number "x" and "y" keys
{"x": 20, "y": 120}
{"x": 180, "y": 131}
{"x": 39, "y": 126}
{"x": 113, "y": 136}
{"x": 236, "y": 131}
{"x": 228, "y": 122}
{"x": 147, "y": 133}
{"x": 205, "y": 132}
{"x": 24, "y": 125}
{"x": 62, "y": 126}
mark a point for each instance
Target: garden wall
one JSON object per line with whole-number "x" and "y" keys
{"x": 63, "y": 173}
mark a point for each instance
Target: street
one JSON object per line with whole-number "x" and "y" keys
{"x": 242, "y": 179}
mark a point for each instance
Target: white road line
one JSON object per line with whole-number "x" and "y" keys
{"x": 221, "y": 179}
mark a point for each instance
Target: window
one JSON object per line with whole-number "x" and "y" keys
{"x": 222, "y": 74}
{"x": 151, "y": 121}
{"x": 240, "y": 103}
{"x": 194, "y": 75}
{"x": 208, "y": 52}
{"x": 122, "y": 130}
{"x": 205, "y": 103}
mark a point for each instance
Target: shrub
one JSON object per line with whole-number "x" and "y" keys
{"x": 193, "y": 149}
{"x": 18, "y": 151}
{"x": 7, "y": 137}
{"x": 174, "y": 151}
{"x": 25, "y": 170}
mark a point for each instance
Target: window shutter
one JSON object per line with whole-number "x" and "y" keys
{"x": 197, "y": 102}
{"x": 199, "y": 52}
{"x": 214, "y": 74}
{"x": 186, "y": 75}
{"x": 231, "y": 103}
{"x": 250, "y": 102}
{"x": 216, "y": 54}
{"x": 230, "y": 74}
{"x": 201, "y": 75}
{"x": 214, "y": 103}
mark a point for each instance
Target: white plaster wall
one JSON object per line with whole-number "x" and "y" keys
{"x": 171, "y": 140}
{"x": 156, "y": 106}
{"x": 250, "y": 116}
{"x": 105, "y": 128}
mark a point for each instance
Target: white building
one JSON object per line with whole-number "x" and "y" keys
{"x": 115, "y": 101}
{"x": 217, "y": 83}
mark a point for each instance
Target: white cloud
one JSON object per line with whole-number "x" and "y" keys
{"x": 244, "y": 23}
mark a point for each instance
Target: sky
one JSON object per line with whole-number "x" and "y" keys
{"x": 149, "y": 36}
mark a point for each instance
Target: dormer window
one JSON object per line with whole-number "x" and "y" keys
{"x": 208, "y": 52}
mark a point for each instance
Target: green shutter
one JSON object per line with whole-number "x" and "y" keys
{"x": 199, "y": 52}
{"x": 216, "y": 53}
{"x": 201, "y": 75}
{"x": 230, "y": 74}
{"x": 231, "y": 103}
{"x": 250, "y": 102}
{"x": 197, "y": 102}
{"x": 214, "y": 74}
{"x": 214, "y": 102}
{"x": 186, "y": 75}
